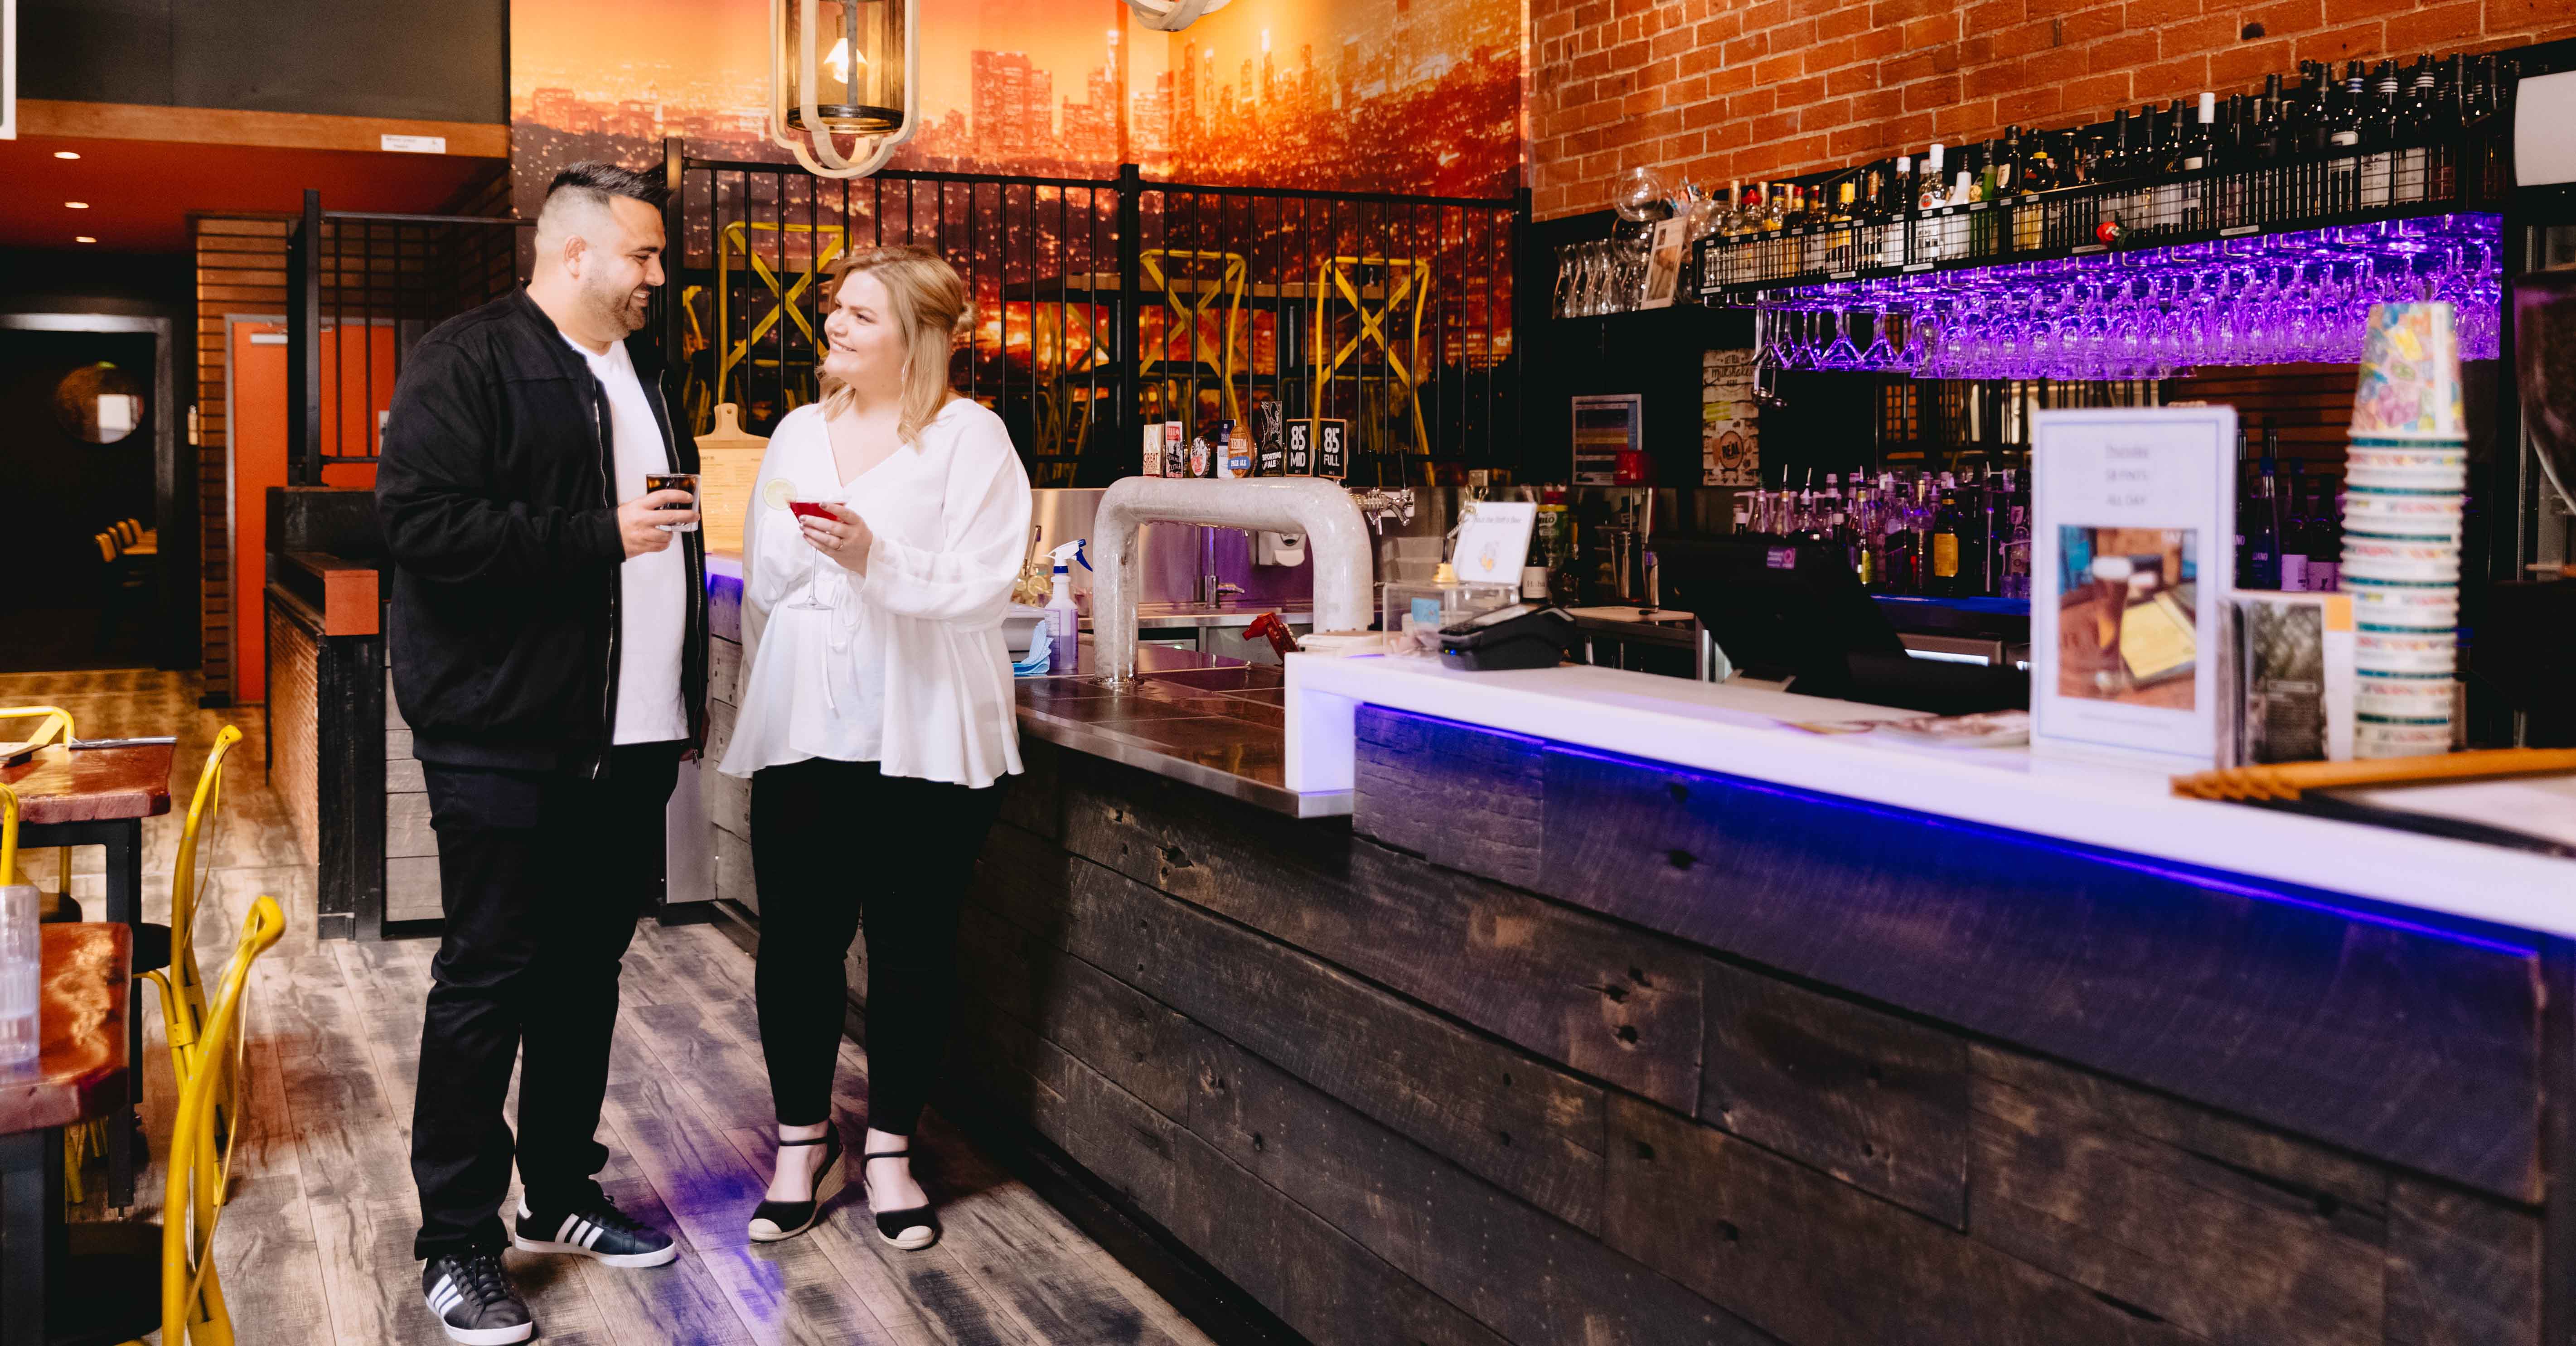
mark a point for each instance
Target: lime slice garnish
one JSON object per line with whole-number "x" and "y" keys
{"x": 778, "y": 492}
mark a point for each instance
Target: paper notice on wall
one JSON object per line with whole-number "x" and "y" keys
{"x": 412, "y": 144}
{"x": 1730, "y": 443}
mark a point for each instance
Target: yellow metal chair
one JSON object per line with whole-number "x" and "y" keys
{"x": 1405, "y": 290}
{"x": 57, "y": 728}
{"x": 183, "y": 992}
{"x": 192, "y": 1299}
{"x": 1079, "y": 383}
{"x": 1179, "y": 279}
{"x": 736, "y": 237}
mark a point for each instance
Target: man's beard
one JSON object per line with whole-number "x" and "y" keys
{"x": 616, "y": 306}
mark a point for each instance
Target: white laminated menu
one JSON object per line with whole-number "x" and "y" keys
{"x": 2134, "y": 515}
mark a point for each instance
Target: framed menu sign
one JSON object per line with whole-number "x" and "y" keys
{"x": 2133, "y": 523}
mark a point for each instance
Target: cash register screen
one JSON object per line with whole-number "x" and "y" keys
{"x": 1783, "y": 609}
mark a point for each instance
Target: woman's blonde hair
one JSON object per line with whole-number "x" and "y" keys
{"x": 930, "y": 304}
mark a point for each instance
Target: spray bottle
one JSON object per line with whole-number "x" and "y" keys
{"x": 1064, "y": 620}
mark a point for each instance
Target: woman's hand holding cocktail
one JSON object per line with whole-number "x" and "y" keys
{"x": 842, "y": 536}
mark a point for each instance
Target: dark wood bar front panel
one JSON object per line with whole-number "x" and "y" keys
{"x": 1690, "y": 1061}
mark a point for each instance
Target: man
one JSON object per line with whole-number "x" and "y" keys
{"x": 548, "y": 653}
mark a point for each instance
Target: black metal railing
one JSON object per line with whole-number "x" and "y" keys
{"x": 363, "y": 289}
{"x": 1105, "y": 305}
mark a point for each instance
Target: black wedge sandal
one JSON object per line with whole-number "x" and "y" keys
{"x": 775, "y": 1220}
{"x": 912, "y": 1229}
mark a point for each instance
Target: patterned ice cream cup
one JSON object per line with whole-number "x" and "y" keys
{"x": 2401, "y": 606}
{"x": 2375, "y": 736}
{"x": 2417, "y": 560}
{"x": 2402, "y": 513}
{"x": 2424, "y": 468}
{"x": 2406, "y": 651}
{"x": 2401, "y": 696}
{"x": 2409, "y": 387}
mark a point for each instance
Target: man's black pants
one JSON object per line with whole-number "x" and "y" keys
{"x": 542, "y": 875}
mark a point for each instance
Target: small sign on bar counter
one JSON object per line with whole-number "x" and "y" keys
{"x": 2133, "y": 521}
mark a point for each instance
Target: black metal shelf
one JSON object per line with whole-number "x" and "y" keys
{"x": 2355, "y": 187}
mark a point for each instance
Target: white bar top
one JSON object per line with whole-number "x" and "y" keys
{"x": 1738, "y": 731}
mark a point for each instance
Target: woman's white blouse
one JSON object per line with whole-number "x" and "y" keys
{"x": 903, "y": 666}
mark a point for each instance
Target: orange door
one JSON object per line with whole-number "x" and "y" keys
{"x": 355, "y": 391}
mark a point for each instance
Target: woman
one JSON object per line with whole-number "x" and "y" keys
{"x": 876, "y": 721}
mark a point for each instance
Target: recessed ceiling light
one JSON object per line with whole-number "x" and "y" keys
{"x": 67, "y": 154}
{"x": 83, "y": 238}
{"x": 76, "y": 205}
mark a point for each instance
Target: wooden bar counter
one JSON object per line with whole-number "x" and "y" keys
{"x": 1547, "y": 1044}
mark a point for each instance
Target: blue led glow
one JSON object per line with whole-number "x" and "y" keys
{"x": 2187, "y": 875}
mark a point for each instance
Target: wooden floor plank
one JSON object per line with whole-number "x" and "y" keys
{"x": 316, "y": 1244}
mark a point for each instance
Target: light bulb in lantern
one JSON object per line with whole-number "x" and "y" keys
{"x": 1171, "y": 16}
{"x": 843, "y": 70}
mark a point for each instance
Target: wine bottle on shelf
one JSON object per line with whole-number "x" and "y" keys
{"x": 2379, "y": 137}
{"x": 1899, "y": 197}
{"x": 1933, "y": 191}
{"x": 2244, "y": 488}
{"x": 1944, "y": 579}
{"x": 2414, "y": 125}
{"x": 2294, "y": 537}
{"x": 2325, "y": 550}
{"x": 2263, "y": 522}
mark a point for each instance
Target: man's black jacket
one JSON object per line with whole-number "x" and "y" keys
{"x": 495, "y": 497}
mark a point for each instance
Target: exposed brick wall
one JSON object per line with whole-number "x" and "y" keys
{"x": 1719, "y": 89}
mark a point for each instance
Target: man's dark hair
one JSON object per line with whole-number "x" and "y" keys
{"x": 605, "y": 180}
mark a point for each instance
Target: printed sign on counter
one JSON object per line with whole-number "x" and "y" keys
{"x": 1493, "y": 541}
{"x": 2134, "y": 513}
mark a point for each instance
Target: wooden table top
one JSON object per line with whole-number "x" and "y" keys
{"x": 80, "y": 1073}
{"x": 63, "y": 785}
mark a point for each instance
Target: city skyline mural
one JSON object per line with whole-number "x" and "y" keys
{"x": 1371, "y": 95}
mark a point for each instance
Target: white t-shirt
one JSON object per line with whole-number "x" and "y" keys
{"x": 653, "y": 589}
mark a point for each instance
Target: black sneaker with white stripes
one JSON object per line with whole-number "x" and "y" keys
{"x": 474, "y": 1301}
{"x": 599, "y": 1231}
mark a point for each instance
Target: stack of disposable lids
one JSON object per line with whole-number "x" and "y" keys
{"x": 2406, "y": 479}
{"x": 2288, "y": 780}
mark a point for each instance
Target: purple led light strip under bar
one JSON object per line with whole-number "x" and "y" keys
{"x": 2149, "y": 313}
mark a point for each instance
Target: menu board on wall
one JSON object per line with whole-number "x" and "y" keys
{"x": 2134, "y": 522}
{"x": 1607, "y": 428}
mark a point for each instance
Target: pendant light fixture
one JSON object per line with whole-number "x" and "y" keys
{"x": 843, "y": 68}
{"x": 1171, "y": 16}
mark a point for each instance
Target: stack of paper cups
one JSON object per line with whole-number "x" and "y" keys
{"x": 2406, "y": 478}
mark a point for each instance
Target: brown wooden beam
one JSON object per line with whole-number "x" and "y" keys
{"x": 235, "y": 126}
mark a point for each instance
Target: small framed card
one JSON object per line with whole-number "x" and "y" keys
{"x": 2133, "y": 526}
{"x": 1664, "y": 252}
{"x": 1493, "y": 541}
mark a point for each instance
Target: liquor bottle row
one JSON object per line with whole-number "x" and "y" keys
{"x": 2379, "y": 136}
{"x": 2289, "y": 527}
{"x": 1945, "y": 535}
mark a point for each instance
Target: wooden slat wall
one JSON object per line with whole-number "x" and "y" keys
{"x": 2311, "y": 405}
